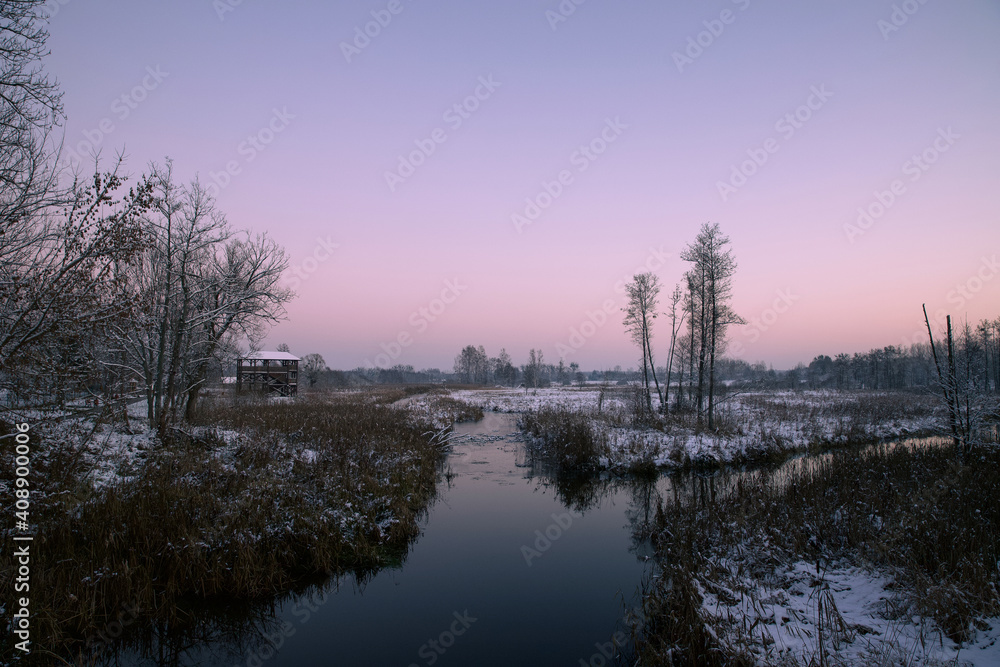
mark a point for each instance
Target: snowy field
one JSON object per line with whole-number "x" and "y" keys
{"x": 749, "y": 426}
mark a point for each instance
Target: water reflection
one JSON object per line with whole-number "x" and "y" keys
{"x": 468, "y": 563}
{"x": 496, "y": 546}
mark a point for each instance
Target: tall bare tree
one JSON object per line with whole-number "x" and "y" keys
{"x": 30, "y": 108}
{"x": 643, "y": 298}
{"x": 710, "y": 290}
{"x": 313, "y": 367}
{"x": 676, "y": 324}
{"x": 472, "y": 365}
{"x": 534, "y": 369}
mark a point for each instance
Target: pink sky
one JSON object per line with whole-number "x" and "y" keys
{"x": 533, "y": 89}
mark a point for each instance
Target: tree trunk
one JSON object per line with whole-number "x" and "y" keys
{"x": 645, "y": 375}
{"x": 711, "y": 373}
{"x": 945, "y": 383}
{"x": 649, "y": 349}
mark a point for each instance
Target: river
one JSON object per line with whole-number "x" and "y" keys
{"x": 510, "y": 569}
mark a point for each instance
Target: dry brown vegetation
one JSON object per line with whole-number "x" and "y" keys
{"x": 758, "y": 428}
{"x": 915, "y": 511}
{"x": 292, "y": 489}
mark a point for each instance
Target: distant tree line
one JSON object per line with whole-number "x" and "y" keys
{"x": 978, "y": 357}
{"x": 977, "y": 349}
{"x": 473, "y": 366}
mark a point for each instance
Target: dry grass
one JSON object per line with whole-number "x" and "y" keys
{"x": 755, "y": 429}
{"x": 564, "y": 438}
{"x": 307, "y": 487}
{"x": 915, "y": 511}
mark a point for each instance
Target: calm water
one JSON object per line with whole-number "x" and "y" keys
{"x": 467, "y": 584}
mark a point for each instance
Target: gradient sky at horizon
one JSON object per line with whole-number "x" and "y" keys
{"x": 888, "y": 95}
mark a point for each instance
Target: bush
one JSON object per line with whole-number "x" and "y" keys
{"x": 564, "y": 437}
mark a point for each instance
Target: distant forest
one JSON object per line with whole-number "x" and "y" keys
{"x": 890, "y": 367}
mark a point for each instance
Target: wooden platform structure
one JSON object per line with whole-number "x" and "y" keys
{"x": 268, "y": 371}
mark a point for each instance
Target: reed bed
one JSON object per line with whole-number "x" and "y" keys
{"x": 241, "y": 505}
{"x": 913, "y": 512}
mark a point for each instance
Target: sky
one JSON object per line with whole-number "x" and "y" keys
{"x": 490, "y": 173}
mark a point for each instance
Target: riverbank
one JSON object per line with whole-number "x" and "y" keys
{"x": 880, "y": 557}
{"x": 240, "y": 505}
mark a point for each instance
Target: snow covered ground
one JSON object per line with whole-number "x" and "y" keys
{"x": 850, "y": 615}
{"x": 110, "y": 455}
{"x": 750, "y": 426}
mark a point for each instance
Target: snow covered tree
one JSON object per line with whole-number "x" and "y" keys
{"x": 62, "y": 287}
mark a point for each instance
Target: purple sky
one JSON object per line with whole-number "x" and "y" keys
{"x": 491, "y": 104}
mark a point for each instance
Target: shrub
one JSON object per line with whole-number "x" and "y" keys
{"x": 564, "y": 437}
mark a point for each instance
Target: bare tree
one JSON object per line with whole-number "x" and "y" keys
{"x": 201, "y": 287}
{"x": 960, "y": 373}
{"x": 710, "y": 289}
{"x": 30, "y": 107}
{"x": 503, "y": 370}
{"x": 949, "y": 387}
{"x": 64, "y": 287}
{"x": 643, "y": 297}
{"x": 472, "y": 365}
{"x": 533, "y": 369}
{"x": 313, "y": 367}
{"x": 676, "y": 324}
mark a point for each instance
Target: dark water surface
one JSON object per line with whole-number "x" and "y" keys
{"x": 466, "y": 584}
